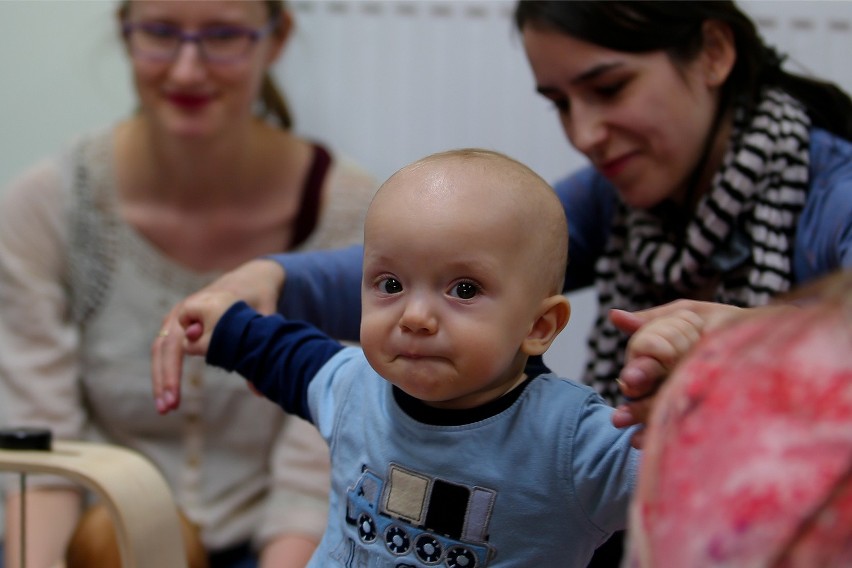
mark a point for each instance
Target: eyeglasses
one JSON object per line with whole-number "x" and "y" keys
{"x": 161, "y": 42}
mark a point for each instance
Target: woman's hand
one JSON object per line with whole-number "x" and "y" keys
{"x": 257, "y": 282}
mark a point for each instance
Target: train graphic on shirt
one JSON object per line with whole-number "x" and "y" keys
{"x": 422, "y": 520}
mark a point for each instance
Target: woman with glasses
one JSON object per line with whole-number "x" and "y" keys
{"x": 98, "y": 243}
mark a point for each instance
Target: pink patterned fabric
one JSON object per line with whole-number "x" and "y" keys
{"x": 748, "y": 459}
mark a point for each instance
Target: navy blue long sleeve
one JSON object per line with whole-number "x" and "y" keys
{"x": 278, "y": 356}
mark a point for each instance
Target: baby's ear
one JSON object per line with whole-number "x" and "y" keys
{"x": 553, "y": 315}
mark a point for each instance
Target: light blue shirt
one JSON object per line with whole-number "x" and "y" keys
{"x": 541, "y": 483}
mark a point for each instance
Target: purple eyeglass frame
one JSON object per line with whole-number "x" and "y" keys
{"x": 254, "y": 34}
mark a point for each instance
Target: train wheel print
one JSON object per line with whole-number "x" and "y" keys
{"x": 461, "y": 557}
{"x": 397, "y": 540}
{"x": 366, "y": 528}
{"x": 428, "y": 549}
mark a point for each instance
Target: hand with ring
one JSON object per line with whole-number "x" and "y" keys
{"x": 257, "y": 282}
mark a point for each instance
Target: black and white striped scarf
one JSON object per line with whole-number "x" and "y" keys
{"x": 737, "y": 248}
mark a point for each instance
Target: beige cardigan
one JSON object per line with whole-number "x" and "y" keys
{"x": 238, "y": 466}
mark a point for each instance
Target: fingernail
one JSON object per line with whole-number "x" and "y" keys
{"x": 631, "y": 374}
{"x": 169, "y": 397}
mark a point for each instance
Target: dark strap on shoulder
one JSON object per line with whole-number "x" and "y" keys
{"x": 308, "y": 216}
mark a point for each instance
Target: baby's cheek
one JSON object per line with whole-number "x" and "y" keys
{"x": 484, "y": 357}
{"x": 370, "y": 337}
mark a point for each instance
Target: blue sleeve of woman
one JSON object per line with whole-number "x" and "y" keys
{"x": 324, "y": 288}
{"x": 589, "y": 202}
{"x": 824, "y": 232}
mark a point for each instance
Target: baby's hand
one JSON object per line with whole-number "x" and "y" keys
{"x": 197, "y": 316}
{"x": 656, "y": 347}
{"x": 662, "y": 337}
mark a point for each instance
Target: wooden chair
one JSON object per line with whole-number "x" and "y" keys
{"x": 137, "y": 496}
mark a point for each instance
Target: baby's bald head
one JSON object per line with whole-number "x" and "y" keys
{"x": 487, "y": 191}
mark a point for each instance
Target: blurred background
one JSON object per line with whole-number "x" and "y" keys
{"x": 400, "y": 79}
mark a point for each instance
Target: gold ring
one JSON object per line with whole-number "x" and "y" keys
{"x": 163, "y": 333}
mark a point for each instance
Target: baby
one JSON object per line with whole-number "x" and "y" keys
{"x": 446, "y": 447}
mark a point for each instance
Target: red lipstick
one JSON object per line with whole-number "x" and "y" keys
{"x": 189, "y": 101}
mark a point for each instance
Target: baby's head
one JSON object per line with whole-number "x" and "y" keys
{"x": 464, "y": 258}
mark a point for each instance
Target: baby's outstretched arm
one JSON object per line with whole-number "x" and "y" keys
{"x": 197, "y": 316}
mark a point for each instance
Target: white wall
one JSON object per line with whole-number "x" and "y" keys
{"x": 383, "y": 81}
{"x": 61, "y": 73}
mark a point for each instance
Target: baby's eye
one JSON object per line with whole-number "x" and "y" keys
{"x": 390, "y": 286}
{"x": 465, "y": 290}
